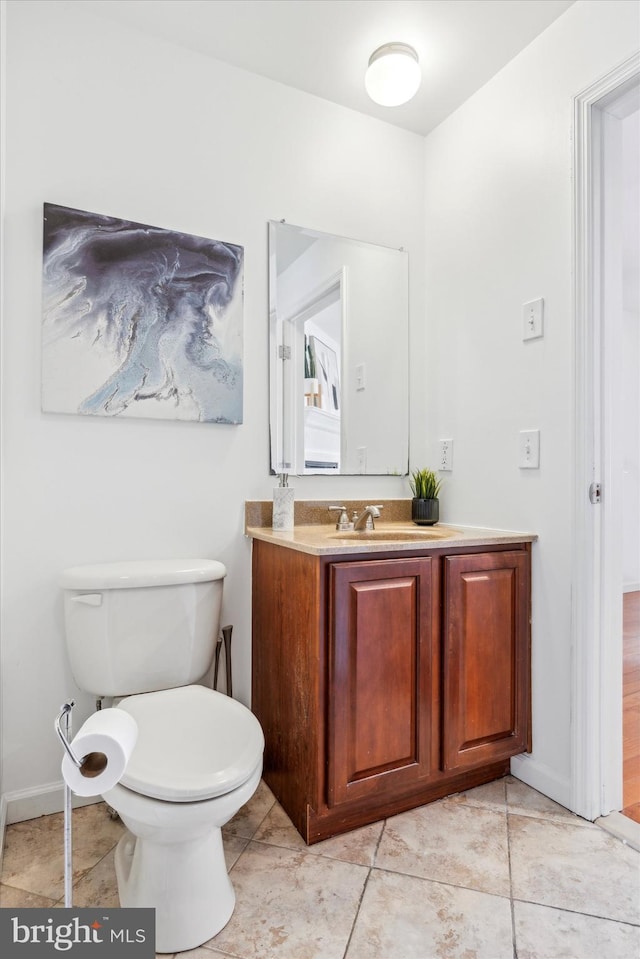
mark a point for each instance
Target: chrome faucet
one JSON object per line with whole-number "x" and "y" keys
{"x": 366, "y": 517}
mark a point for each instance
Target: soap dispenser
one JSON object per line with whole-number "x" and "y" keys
{"x": 283, "y": 500}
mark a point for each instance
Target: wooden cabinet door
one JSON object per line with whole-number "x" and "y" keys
{"x": 486, "y": 657}
{"x": 383, "y": 690}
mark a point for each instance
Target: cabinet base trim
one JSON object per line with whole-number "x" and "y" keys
{"x": 332, "y": 822}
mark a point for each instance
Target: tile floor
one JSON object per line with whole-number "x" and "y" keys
{"x": 498, "y": 872}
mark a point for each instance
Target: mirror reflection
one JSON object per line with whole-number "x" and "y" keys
{"x": 339, "y": 354}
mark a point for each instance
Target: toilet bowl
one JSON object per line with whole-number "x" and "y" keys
{"x": 144, "y": 632}
{"x": 197, "y": 760}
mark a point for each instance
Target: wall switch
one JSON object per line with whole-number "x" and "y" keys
{"x": 445, "y": 460}
{"x": 360, "y": 377}
{"x": 529, "y": 449}
{"x": 532, "y": 317}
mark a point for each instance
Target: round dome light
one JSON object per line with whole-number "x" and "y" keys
{"x": 393, "y": 75}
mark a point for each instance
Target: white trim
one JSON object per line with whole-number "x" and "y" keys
{"x": 586, "y": 529}
{"x": 40, "y": 801}
{"x": 596, "y": 762}
{"x": 631, "y": 588}
{"x": 293, "y": 325}
{"x": 622, "y": 827}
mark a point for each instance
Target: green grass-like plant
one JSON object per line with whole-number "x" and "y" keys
{"x": 425, "y": 484}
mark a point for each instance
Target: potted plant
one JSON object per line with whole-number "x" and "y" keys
{"x": 425, "y": 506}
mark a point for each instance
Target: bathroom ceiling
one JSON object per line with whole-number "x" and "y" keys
{"x": 323, "y": 46}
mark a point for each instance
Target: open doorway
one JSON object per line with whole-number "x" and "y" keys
{"x": 630, "y": 336}
{"x": 607, "y": 541}
{"x": 620, "y": 141}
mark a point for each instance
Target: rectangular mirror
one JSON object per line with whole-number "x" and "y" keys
{"x": 339, "y": 354}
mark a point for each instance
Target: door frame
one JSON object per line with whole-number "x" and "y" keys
{"x": 597, "y": 594}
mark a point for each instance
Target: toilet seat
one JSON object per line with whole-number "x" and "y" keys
{"x": 193, "y": 744}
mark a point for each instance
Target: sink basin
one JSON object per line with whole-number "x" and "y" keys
{"x": 393, "y": 536}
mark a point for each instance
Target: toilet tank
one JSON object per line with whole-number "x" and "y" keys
{"x": 140, "y": 626}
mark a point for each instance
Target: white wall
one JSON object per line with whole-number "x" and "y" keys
{"x": 112, "y": 121}
{"x": 499, "y": 233}
{"x": 115, "y": 122}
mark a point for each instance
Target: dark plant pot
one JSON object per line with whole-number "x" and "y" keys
{"x": 425, "y": 512}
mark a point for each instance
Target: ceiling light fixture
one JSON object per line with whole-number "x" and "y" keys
{"x": 393, "y": 75}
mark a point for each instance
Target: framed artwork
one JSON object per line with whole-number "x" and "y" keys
{"x": 325, "y": 363}
{"x": 139, "y": 321}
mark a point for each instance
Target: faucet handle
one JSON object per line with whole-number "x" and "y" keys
{"x": 343, "y": 520}
{"x": 377, "y": 509}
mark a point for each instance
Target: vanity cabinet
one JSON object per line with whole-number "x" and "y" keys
{"x": 486, "y": 661}
{"x": 383, "y": 690}
{"x": 384, "y": 681}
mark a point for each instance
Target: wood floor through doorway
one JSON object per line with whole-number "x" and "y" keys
{"x": 631, "y": 706}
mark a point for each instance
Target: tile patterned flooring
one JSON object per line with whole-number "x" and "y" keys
{"x": 498, "y": 872}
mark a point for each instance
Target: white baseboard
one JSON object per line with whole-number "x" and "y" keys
{"x": 41, "y": 801}
{"x": 540, "y": 777}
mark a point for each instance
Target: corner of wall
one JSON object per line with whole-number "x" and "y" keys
{"x": 3, "y": 166}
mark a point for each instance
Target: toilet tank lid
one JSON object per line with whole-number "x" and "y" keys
{"x": 136, "y": 573}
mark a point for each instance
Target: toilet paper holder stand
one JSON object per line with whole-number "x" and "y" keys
{"x": 90, "y": 765}
{"x": 64, "y": 736}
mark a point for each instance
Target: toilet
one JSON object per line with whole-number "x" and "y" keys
{"x": 144, "y": 633}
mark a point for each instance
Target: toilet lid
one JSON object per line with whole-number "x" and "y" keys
{"x": 193, "y": 743}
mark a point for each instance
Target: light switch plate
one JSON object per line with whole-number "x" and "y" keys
{"x": 529, "y": 449}
{"x": 445, "y": 463}
{"x": 532, "y": 319}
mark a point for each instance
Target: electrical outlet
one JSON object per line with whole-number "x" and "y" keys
{"x": 529, "y": 449}
{"x": 532, "y": 317}
{"x": 446, "y": 455}
{"x": 361, "y": 380}
{"x": 361, "y": 456}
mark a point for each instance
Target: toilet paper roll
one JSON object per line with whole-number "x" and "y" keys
{"x": 104, "y": 743}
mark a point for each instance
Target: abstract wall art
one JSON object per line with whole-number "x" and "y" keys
{"x": 139, "y": 321}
